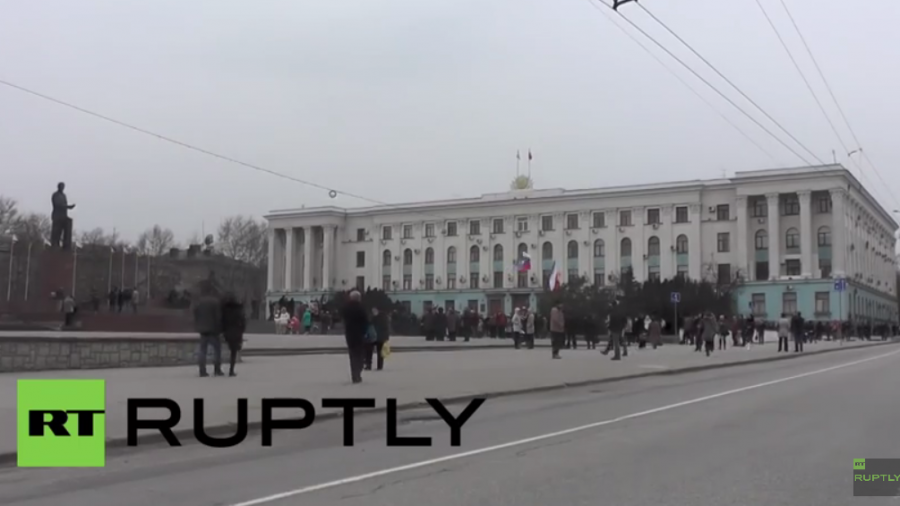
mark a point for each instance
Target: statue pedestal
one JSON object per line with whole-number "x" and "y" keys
{"x": 57, "y": 273}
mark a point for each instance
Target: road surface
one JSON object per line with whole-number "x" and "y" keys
{"x": 780, "y": 433}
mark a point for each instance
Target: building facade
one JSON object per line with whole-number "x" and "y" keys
{"x": 786, "y": 234}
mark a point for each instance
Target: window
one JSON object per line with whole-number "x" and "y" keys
{"x": 451, "y": 228}
{"x": 572, "y": 276}
{"x": 599, "y": 248}
{"x": 653, "y": 274}
{"x": 723, "y": 242}
{"x": 791, "y": 206}
{"x": 792, "y": 239}
{"x": 761, "y": 240}
{"x": 758, "y": 304}
{"x": 599, "y": 278}
{"x": 429, "y": 230}
{"x": 387, "y": 233}
{"x": 823, "y": 204}
{"x": 681, "y": 244}
{"x": 723, "y": 212}
{"x": 792, "y": 267}
{"x": 451, "y": 282}
{"x": 682, "y": 271}
{"x": 407, "y": 256}
{"x": 724, "y": 274}
{"x": 360, "y": 258}
{"x": 762, "y": 271}
{"x": 386, "y": 283}
{"x": 451, "y": 255}
{"x": 626, "y": 247}
{"x": 546, "y": 223}
{"x": 473, "y": 280}
{"x": 547, "y": 251}
{"x": 825, "y": 267}
{"x": 407, "y": 231}
{"x": 498, "y": 253}
{"x": 681, "y": 214}
{"x": 625, "y": 218}
{"x": 498, "y": 279}
{"x": 475, "y": 227}
{"x": 599, "y": 220}
{"x": 653, "y": 246}
{"x": 760, "y": 208}
{"x": 360, "y": 283}
{"x": 572, "y": 221}
{"x": 407, "y": 281}
{"x": 474, "y": 254}
{"x": 429, "y": 281}
{"x": 497, "y": 226}
{"x": 522, "y": 280}
{"x": 360, "y": 235}
{"x": 789, "y": 302}
{"x": 386, "y": 258}
{"x": 572, "y": 250}
{"x": 522, "y": 224}
{"x": 653, "y": 216}
{"x": 429, "y": 256}
{"x": 824, "y": 237}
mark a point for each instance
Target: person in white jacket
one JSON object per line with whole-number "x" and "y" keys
{"x": 517, "y": 328}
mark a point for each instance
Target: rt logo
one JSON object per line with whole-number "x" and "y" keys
{"x": 61, "y": 423}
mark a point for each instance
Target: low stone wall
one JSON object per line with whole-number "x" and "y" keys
{"x": 39, "y": 354}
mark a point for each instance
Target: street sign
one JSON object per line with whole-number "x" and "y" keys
{"x": 840, "y": 285}
{"x": 676, "y": 297}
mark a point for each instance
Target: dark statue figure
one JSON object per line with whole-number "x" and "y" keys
{"x": 61, "y": 232}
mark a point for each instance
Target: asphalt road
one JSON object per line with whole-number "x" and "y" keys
{"x": 782, "y": 433}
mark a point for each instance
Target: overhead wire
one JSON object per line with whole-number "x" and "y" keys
{"x": 725, "y": 78}
{"x": 711, "y": 86}
{"x": 681, "y": 79}
{"x": 835, "y": 100}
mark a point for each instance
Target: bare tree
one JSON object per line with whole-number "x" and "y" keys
{"x": 9, "y": 213}
{"x": 32, "y": 227}
{"x": 244, "y": 239}
{"x": 96, "y": 237}
{"x": 156, "y": 241}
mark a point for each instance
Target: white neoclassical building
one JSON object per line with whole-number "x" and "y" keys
{"x": 786, "y": 233}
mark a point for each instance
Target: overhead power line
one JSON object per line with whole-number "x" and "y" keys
{"x": 729, "y": 81}
{"x": 713, "y": 87}
{"x": 681, "y": 79}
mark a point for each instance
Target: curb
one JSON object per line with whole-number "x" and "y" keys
{"x": 186, "y": 436}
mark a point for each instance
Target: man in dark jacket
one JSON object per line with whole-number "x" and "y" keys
{"x": 797, "y": 326}
{"x": 208, "y": 323}
{"x": 382, "y": 326}
{"x": 356, "y": 323}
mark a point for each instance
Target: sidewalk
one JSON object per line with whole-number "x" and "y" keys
{"x": 409, "y": 378}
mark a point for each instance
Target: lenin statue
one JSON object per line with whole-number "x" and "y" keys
{"x": 61, "y": 232}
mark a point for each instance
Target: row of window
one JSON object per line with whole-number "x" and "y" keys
{"x": 792, "y": 238}
{"x": 790, "y": 206}
{"x": 789, "y": 303}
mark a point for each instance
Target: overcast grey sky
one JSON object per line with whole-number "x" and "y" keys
{"x": 409, "y": 99}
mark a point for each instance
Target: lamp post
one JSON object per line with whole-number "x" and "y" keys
{"x": 12, "y": 248}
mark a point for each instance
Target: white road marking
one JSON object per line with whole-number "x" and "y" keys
{"x": 653, "y": 366}
{"x": 520, "y": 442}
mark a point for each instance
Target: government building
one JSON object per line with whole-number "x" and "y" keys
{"x": 788, "y": 236}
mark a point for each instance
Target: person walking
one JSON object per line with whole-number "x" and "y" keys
{"x": 356, "y": 325}
{"x": 557, "y": 329}
{"x": 452, "y": 324}
{"x": 654, "y": 333}
{"x": 708, "y": 329}
{"x": 784, "y": 330}
{"x": 208, "y": 323}
{"x": 723, "y": 332}
{"x": 307, "y": 320}
{"x": 233, "y": 326}
{"x": 382, "y": 332}
{"x": 517, "y": 333}
{"x": 798, "y": 327}
{"x": 528, "y": 327}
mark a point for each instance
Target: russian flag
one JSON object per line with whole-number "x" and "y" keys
{"x": 555, "y": 281}
{"x": 524, "y": 263}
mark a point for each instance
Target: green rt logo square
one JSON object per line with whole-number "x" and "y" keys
{"x": 859, "y": 464}
{"x": 61, "y": 423}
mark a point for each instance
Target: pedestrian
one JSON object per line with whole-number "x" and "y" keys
{"x": 557, "y": 329}
{"x": 307, "y": 320}
{"x": 528, "y": 327}
{"x": 233, "y": 326}
{"x": 135, "y": 296}
{"x": 517, "y": 333}
{"x": 208, "y": 323}
{"x": 709, "y": 329}
{"x": 452, "y": 324}
{"x": 654, "y": 333}
{"x": 68, "y": 307}
{"x": 798, "y": 327}
{"x": 784, "y": 330}
{"x": 382, "y": 334}
{"x": 428, "y": 324}
{"x": 723, "y": 332}
{"x": 356, "y": 325}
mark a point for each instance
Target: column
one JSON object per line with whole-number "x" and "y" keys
{"x": 327, "y": 241}
{"x": 742, "y": 249}
{"x": 805, "y": 233}
{"x": 695, "y": 244}
{"x": 307, "y": 258}
{"x": 270, "y": 279}
{"x": 289, "y": 259}
{"x": 774, "y": 219}
{"x": 839, "y": 243}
